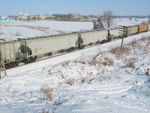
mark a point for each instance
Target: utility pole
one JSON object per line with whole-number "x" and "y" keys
{"x": 125, "y": 34}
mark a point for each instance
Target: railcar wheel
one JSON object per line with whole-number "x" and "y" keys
{"x": 7, "y": 66}
{"x": 15, "y": 64}
{"x": 70, "y": 49}
{"x": 32, "y": 59}
{"x": 26, "y": 61}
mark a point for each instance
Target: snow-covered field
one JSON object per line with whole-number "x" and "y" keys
{"x": 40, "y": 28}
{"x": 100, "y": 79}
{"x": 13, "y": 30}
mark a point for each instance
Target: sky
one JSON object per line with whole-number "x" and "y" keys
{"x": 85, "y": 7}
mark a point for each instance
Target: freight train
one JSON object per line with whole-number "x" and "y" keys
{"x": 29, "y": 50}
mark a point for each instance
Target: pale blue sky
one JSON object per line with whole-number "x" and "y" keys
{"x": 94, "y": 7}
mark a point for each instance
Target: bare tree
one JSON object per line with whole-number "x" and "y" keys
{"x": 108, "y": 18}
{"x": 98, "y": 23}
{"x": 95, "y": 24}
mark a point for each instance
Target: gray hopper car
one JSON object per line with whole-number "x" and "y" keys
{"x": 13, "y": 52}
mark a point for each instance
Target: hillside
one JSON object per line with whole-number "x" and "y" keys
{"x": 101, "y": 79}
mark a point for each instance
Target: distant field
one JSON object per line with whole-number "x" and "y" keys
{"x": 14, "y": 30}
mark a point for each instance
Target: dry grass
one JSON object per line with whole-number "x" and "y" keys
{"x": 119, "y": 51}
{"x": 93, "y": 62}
{"x": 136, "y": 44}
{"x": 70, "y": 82}
{"x": 48, "y": 93}
{"x": 83, "y": 80}
{"x": 108, "y": 62}
{"x": 64, "y": 64}
{"x": 130, "y": 65}
{"x": 80, "y": 61}
{"x": 102, "y": 78}
{"x": 45, "y": 111}
{"x": 97, "y": 60}
{"x": 61, "y": 74}
{"x": 148, "y": 42}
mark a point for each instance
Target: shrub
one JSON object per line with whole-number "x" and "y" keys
{"x": 135, "y": 44}
{"x": 48, "y": 93}
{"x": 119, "y": 50}
{"x": 108, "y": 62}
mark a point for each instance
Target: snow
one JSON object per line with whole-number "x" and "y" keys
{"x": 23, "y": 31}
{"x": 128, "y": 22}
{"x": 42, "y": 28}
{"x": 93, "y": 80}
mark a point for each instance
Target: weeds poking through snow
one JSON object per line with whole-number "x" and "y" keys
{"x": 48, "y": 93}
{"x": 131, "y": 63}
{"x": 118, "y": 51}
{"x": 108, "y": 62}
{"x": 70, "y": 82}
{"x": 45, "y": 111}
{"x": 80, "y": 61}
{"x": 106, "y": 97}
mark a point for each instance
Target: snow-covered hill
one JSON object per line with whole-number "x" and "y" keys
{"x": 100, "y": 79}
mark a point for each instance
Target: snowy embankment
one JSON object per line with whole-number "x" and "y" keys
{"x": 100, "y": 79}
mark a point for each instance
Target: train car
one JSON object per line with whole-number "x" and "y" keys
{"x": 132, "y": 30}
{"x": 143, "y": 28}
{"x": 95, "y": 36}
{"x": 51, "y": 44}
{"x": 116, "y": 33}
{"x": 28, "y": 50}
{"x": 8, "y": 53}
